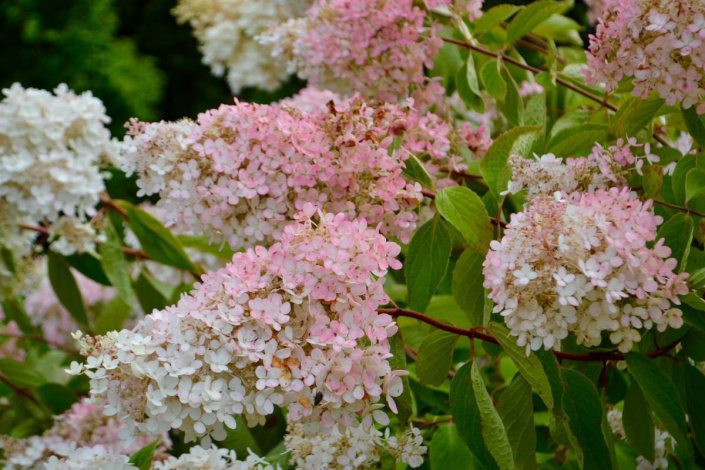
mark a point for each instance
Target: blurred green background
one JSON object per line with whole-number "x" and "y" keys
{"x": 129, "y": 53}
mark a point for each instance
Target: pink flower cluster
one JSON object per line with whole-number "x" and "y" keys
{"x": 581, "y": 265}
{"x": 660, "y": 44}
{"x": 83, "y": 425}
{"x": 276, "y": 327}
{"x": 375, "y": 47}
{"x": 242, "y": 171}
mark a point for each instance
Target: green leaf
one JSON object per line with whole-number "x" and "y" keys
{"x": 638, "y": 425}
{"x": 142, "y": 459}
{"x": 492, "y": 79}
{"x": 468, "y": 86}
{"x": 652, "y": 180}
{"x": 583, "y": 407}
{"x": 149, "y": 296}
{"x": 240, "y": 439}
{"x": 114, "y": 265}
{"x": 530, "y": 366}
{"x": 112, "y": 316}
{"x": 89, "y": 266}
{"x": 493, "y": 431}
{"x": 693, "y": 300}
{"x": 695, "y": 125}
{"x": 157, "y": 241}
{"x": 519, "y": 141}
{"x": 516, "y": 410}
{"x": 466, "y": 415}
{"x": 14, "y": 310}
{"x": 695, "y": 403}
{"x": 635, "y": 114}
{"x": 404, "y": 402}
{"x": 19, "y": 374}
{"x": 535, "y": 114}
{"x": 678, "y": 235}
{"x": 578, "y": 140}
{"x": 66, "y": 288}
{"x": 447, "y": 450}
{"x": 467, "y": 286}
{"x": 696, "y": 279}
{"x": 435, "y": 357}
{"x": 414, "y": 170}
{"x": 493, "y": 17}
{"x": 513, "y": 105}
{"x": 662, "y": 396}
{"x": 466, "y": 212}
{"x": 202, "y": 243}
{"x": 56, "y": 397}
{"x": 694, "y": 182}
{"x": 684, "y": 165}
{"x": 533, "y": 15}
{"x": 427, "y": 262}
{"x": 560, "y": 28}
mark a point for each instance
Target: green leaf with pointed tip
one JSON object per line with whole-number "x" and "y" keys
{"x": 467, "y": 286}
{"x": 493, "y": 80}
{"x": 652, "y": 180}
{"x": 516, "y": 410}
{"x": 695, "y": 403}
{"x": 535, "y": 114}
{"x": 466, "y": 212}
{"x": 583, "y": 407}
{"x": 684, "y": 165}
{"x": 694, "y": 182}
{"x": 662, "y": 396}
{"x": 20, "y": 375}
{"x": 435, "y": 357}
{"x": 414, "y": 170}
{"x": 468, "y": 86}
{"x": 638, "y": 425}
{"x": 112, "y": 316}
{"x": 635, "y": 114}
{"x": 114, "y": 264}
{"x": 427, "y": 262}
{"x": 519, "y": 141}
{"x": 533, "y": 15}
{"x": 493, "y": 431}
{"x": 404, "y": 402}
{"x": 466, "y": 415}
{"x": 493, "y": 17}
{"x": 695, "y": 125}
{"x": 142, "y": 459}
{"x": 513, "y": 105}
{"x": 678, "y": 234}
{"x": 447, "y": 450}
{"x": 66, "y": 288}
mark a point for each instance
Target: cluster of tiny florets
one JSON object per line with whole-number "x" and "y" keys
{"x": 351, "y": 449}
{"x": 602, "y": 169}
{"x": 83, "y": 425}
{"x": 242, "y": 171}
{"x": 580, "y": 264}
{"x": 659, "y": 44}
{"x": 226, "y": 31}
{"x": 213, "y": 458}
{"x": 375, "y": 47}
{"x": 51, "y": 146}
{"x": 665, "y": 444}
{"x": 275, "y": 327}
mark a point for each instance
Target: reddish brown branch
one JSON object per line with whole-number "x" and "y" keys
{"x": 18, "y": 390}
{"x": 680, "y": 208}
{"x": 474, "y": 332}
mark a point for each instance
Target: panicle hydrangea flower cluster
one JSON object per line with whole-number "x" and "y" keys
{"x": 352, "y": 448}
{"x": 213, "y": 458}
{"x": 241, "y": 172}
{"x": 602, "y": 169}
{"x": 660, "y": 44}
{"x": 50, "y": 150}
{"x": 599, "y": 8}
{"x": 275, "y": 327}
{"x": 83, "y": 425}
{"x": 226, "y": 31}
{"x": 580, "y": 264}
{"x": 375, "y": 47}
{"x": 665, "y": 444}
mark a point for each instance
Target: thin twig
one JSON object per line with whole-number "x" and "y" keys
{"x": 680, "y": 208}
{"x": 474, "y": 332}
{"x": 18, "y": 390}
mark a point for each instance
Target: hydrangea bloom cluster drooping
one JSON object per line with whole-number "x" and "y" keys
{"x": 581, "y": 265}
{"x": 665, "y": 444}
{"x": 83, "y": 425}
{"x": 226, "y": 31}
{"x": 355, "y": 448}
{"x": 658, "y": 43}
{"x": 274, "y": 327}
{"x": 375, "y": 47}
{"x": 241, "y": 172}
{"x": 50, "y": 150}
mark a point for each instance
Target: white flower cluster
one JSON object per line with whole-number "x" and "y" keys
{"x": 88, "y": 458}
{"x": 351, "y": 449}
{"x": 226, "y": 30}
{"x": 665, "y": 444}
{"x": 213, "y": 458}
{"x": 273, "y": 328}
{"x": 50, "y": 150}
